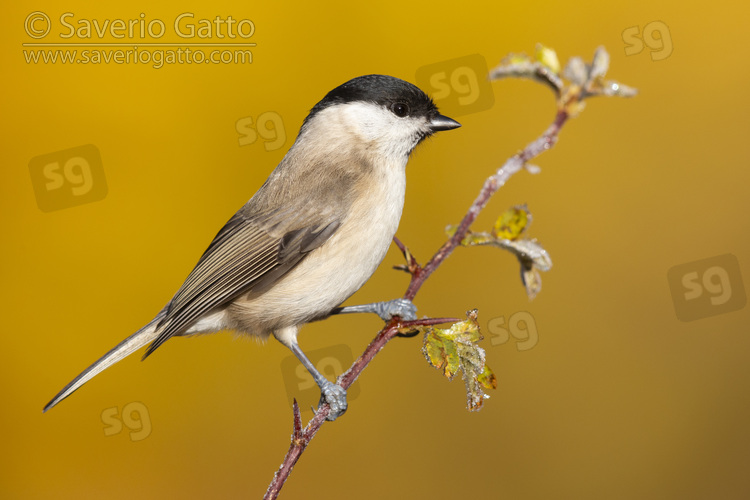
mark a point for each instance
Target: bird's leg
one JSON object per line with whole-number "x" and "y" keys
{"x": 403, "y": 308}
{"x": 330, "y": 393}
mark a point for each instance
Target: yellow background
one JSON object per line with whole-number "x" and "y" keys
{"x": 619, "y": 399}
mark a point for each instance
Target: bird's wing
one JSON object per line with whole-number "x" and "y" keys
{"x": 247, "y": 253}
{"x": 244, "y": 254}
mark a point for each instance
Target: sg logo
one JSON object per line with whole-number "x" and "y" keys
{"x": 134, "y": 416}
{"x": 330, "y": 361}
{"x": 68, "y": 178}
{"x": 707, "y": 287}
{"x": 269, "y": 126}
{"x": 459, "y": 86}
{"x": 656, "y": 37}
{"x": 521, "y": 326}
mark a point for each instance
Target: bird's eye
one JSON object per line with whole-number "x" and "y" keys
{"x": 400, "y": 109}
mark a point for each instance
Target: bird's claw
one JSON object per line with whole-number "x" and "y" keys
{"x": 335, "y": 396}
{"x": 404, "y": 308}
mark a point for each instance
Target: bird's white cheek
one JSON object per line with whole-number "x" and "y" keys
{"x": 393, "y": 137}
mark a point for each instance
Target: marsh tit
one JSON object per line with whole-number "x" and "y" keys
{"x": 311, "y": 236}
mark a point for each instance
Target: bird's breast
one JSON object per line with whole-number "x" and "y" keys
{"x": 331, "y": 273}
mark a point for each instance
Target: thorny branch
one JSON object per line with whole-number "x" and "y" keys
{"x": 584, "y": 81}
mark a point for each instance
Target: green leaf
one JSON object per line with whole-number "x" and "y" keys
{"x": 455, "y": 349}
{"x": 547, "y": 57}
{"x": 512, "y": 223}
{"x": 507, "y": 234}
{"x": 544, "y": 69}
{"x": 533, "y": 258}
{"x": 441, "y": 353}
{"x": 531, "y": 278}
{"x": 576, "y": 71}
{"x": 600, "y": 64}
{"x": 470, "y": 238}
{"x": 487, "y": 378}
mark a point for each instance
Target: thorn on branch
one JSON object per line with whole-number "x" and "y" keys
{"x": 297, "y": 432}
{"x": 412, "y": 266}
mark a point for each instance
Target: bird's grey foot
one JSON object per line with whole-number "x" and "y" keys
{"x": 403, "y": 308}
{"x": 335, "y": 396}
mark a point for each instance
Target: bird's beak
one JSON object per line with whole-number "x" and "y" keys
{"x": 441, "y": 122}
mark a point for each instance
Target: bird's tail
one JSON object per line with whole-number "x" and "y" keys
{"x": 120, "y": 351}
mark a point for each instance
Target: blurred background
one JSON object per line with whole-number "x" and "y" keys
{"x": 627, "y": 377}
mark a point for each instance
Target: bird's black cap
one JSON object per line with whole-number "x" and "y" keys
{"x": 379, "y": 89}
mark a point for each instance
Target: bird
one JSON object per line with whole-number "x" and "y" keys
{"x": 312, "y": 234}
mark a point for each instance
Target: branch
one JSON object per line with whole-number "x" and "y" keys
{"x": 300, "y": 439}
{"x": 585, "y": 81}
{"x": 491, "y": 185}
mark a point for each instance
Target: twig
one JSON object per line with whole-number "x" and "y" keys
{"x": 491, "y": 185}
